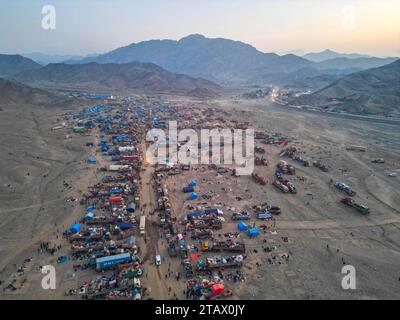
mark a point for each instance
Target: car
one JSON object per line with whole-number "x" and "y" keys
{"x": 158, "y": 260}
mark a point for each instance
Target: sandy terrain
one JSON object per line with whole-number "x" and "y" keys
{"x": 318, "y": 233}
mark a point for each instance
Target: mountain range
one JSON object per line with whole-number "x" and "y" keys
{"x": 330, "y": 54}
{"x": 13, "y": 64}
{"x": 142, "y": 77}
{"x": 229, "y": 62}
{"x": 374, "y": 91}
{"x": 12, "y": 92}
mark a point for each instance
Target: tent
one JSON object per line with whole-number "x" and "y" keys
{"x": 131, "y": 207}
{"x": 75, "y": 228}
{"x": 89, "y": 216}
{"x": 124, "y": 226}
{"x": 90, "y": 208}
{"x": 192, "y": 183}
{"x": 193, "y": 196}
{"x": 91, "y": 160}
{"x": 217, "y": 289}
{"x": 115, "y": 199}
{"x": 253, "y": 232}
{"x": 242, "y": 226}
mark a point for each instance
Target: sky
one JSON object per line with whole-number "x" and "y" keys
{"x": 299, "y": 26}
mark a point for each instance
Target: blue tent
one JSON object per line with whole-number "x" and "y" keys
{"x": 253, "y": 232}
{"x": 242, "y": 226}
{"x": 124, "y": 226}
{"x": 131, "y": 207}
{"x": 75, "y": 228}
{"x": 89, "y": 216}
{"x": 90, "y": 208}
{"x": 193, "y": 196}
{"x": 192, "y": 183}
{"x": 91, "y": 160}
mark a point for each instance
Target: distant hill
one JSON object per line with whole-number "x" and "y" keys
{"x": 12, "y": 92}
{"x": 44, "y": 59}
{"x": 143, "y": 77}
{"x": 221, "y": 60}
{"x": 374, "y": 91}
{"x": 229, "y": 62}
{"x": 353, "y": 64}
{"x": 329, "y": 54}
{"x": 13, "y": 64}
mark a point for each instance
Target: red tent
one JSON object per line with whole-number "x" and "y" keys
{"x": 115, "y": 198}
{"x": 217, "y": 289}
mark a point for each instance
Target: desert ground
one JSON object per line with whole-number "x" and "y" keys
{"x": 43, "y": 174}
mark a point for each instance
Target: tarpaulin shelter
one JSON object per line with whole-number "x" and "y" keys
{"x": 187, "y": 189}
{"x": 115, "y": 199}
{"x": 89, "y": 216}
{"x": 242, "y": 226}
{"x": 124, "y": 226}
{"x": 193, "y": 196}
{"x": 217, "y": 289}
{"x": 75, "y": 228}
{"x": 131, "y": 207}
{"x": 192, "y": 183}
{"x": 91, "y": 160}
{"x": 194, "y": 256}
{"x": 253, "y": 232}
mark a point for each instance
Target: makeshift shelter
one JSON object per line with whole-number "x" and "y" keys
{"x": 131, "y": 207}
{"x": 75, "y": 228}
{"x": 193, "y": 196}
{"x": 217, "y": 289}
{"x": 242, "y": 226}
{"x": 115, "y": 199}
{"x": 91, "y": 160}
{"x": 89, "y": 216}
{"x": 192, "y": 183}
{"x": 253, "y": 232}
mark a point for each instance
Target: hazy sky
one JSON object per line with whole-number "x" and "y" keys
{"x": 96, "y": 26}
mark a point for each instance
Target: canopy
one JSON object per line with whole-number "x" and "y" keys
{"x": 75, "y": 228}
{"x": 89, "y": 216}
{"x": 253, "y": 232}
{"x": 193, "y": 196}
{"x": 217, "y": 289}
{"x": 242, "y": 226}
{"x": 192, "y": 183}
{"x": 91, "y": 160}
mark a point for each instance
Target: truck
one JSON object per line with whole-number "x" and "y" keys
{"x": 280, "y": 186}
{"x": 114, "y": 167}
{"x": 110, "y": 262}
{"x": 260, "y": 179}
{"x": 228, "y": 246}
{"x": 241, "y": 216}
{"x": 142, "y": 224}
{"x": 289, "y": 185}
{"x": 320, "y": 166}
{"x": 264, "y": 216}
{"x": 344, "y": 187}
{"x": 362, "y": 208}
{"x": 224, "y": 262}
{"x": 202, "y": 234}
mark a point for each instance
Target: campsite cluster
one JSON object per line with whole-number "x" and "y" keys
{"x": 174, "y": 230}
{"x": 213, "y": 241}
{"x": 113, "y": 238}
